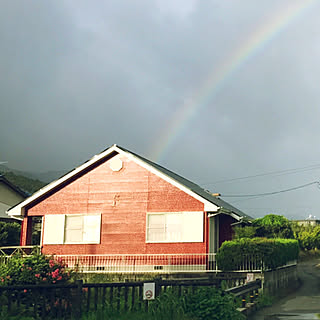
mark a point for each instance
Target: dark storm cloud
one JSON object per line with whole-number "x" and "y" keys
{"x": 78, "y": 76}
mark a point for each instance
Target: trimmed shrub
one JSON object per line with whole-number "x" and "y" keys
{"x": 268, "y": 253}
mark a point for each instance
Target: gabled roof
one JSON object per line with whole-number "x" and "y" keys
{"x": 12, "y": 186}
{"x": 211, "y": 202}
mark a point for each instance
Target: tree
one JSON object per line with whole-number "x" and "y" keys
{"x": 270, "y": 226}
{"x": 273, "y": 226}
{"x": 9, "y": 234}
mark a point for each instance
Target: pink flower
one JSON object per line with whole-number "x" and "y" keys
{"x": 2, "y": 280}
{"x": 37, "y": 275}
{"x": 29, "y": 268}
{"x": 54, "y": 281}
{"x": 44, "y": 279}
{"x": 59, "y": 278}
{"x": 25, "y": 290}
{"x": 55, "y": 273}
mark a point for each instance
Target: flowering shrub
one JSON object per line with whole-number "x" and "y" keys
{"x": 34, "y": 269}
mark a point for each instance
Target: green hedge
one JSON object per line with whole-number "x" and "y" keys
{"x": 271, "y": 253}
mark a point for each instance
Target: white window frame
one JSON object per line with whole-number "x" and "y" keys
{"x": 192, "y": 227}
{"x": 55, "y": 229}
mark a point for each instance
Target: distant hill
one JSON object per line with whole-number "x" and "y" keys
{"x": 44, "y": 176}
{"x": 24, "y": 183}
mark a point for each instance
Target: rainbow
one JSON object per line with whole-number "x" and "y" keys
{"x": 219, "y": 77}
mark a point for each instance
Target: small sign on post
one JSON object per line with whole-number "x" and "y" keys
{"x": 250, "y": 277}
{"x": 149, "y": 291}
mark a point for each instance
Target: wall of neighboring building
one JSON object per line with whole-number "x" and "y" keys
{"x": 9, "y": 196}
{"x": 307, "y": 222}
{"x": 123, "y": 199}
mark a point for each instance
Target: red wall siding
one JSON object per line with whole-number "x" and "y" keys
{"x": 123, "y": 198}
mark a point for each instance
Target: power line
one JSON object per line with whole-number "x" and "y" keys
{"x": 270, "y": 193}
{"x": 278, "y": 173}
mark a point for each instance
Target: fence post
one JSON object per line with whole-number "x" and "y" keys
{"x": 78, "y": 299}
{"x": 157, "y": 287}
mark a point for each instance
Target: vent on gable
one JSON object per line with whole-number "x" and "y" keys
{"x": 115, "y": 164}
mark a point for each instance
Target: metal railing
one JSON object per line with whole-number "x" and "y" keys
{"x": 146, "y": 263}
{"x": 134, "y": 263}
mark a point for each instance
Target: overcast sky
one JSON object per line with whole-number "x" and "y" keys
{"x": 213, "y": 90}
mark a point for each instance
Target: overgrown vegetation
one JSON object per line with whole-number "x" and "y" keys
{"x": 198, "y": 303}
{"x": 264, "y": 301}
{"x": 9, "y": 234}
{"x": 276, "y": 226}
{"x": 308, "y": 236}
{"x": 268, "y": 253}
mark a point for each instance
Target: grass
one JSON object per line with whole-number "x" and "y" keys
{"x": 203, "y": 304}
{"x": 264, "y": 301}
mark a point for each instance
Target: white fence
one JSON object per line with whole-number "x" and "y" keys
{"x": 161, "y": 263}
{"x": 155, "y": 263}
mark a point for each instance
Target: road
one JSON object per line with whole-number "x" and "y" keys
{"x": 303, "y": 304}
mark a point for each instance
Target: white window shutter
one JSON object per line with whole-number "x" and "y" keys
{"x": 193, "y": 226}
{"x": 53, "y": 232}
{"x": 91, "y": 229}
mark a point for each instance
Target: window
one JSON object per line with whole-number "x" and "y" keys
{"x": 73, "y": 229}
{"x": 175, "y": 227}
{"x": 68, "y": 229}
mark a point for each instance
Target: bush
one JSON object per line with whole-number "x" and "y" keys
{"x": 212, "y": 304}
{"x": 200, "y": 304}
{"x": 244, "y": 232}
{"x": 270, "y": 253}
{"x": 33, "y": 269}
{"x": 308, "y": 236}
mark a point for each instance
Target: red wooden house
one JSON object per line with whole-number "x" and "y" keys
{"x": 119, "y": 206}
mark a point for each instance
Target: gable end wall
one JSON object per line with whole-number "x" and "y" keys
{"x": 123, "y": 199}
